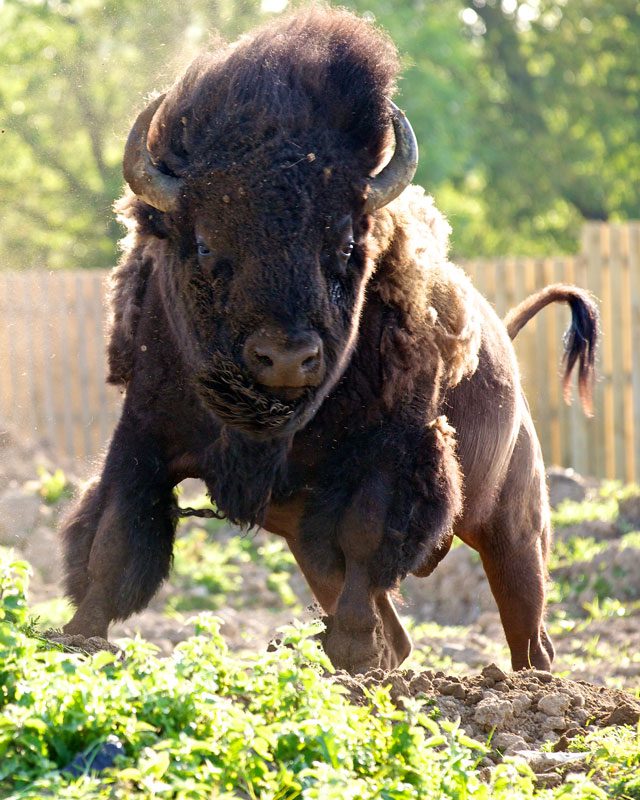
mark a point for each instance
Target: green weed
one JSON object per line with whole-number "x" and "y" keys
{"x": 209, "y": 573}
{"x": 53, "y": 486}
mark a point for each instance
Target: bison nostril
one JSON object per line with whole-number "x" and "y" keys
{"x": 263, "y": 360}
{"x": 311, "y": 361}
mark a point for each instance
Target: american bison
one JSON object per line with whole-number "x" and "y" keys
{"x": 289, "y": 330}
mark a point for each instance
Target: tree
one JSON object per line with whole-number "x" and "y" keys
{"x": 558, "y": 122}
{"x": 74, "y": 71}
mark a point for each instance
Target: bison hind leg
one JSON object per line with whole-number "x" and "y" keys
{"x": 514, "y": 547}
{"x": 517, "y": 578}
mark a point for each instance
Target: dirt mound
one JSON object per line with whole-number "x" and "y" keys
{"x": 517, "y": 712}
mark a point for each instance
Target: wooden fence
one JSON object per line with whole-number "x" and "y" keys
{"x": 52, "y": 363}
{"x": 52, "y": 354}
{"x": 608, "y": 445}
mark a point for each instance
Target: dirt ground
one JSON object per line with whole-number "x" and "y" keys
{"x": 530, "y": 715}
{"x": 460, "y": 666}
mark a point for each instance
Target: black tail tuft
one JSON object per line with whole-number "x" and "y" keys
{"x": 580, "y": 341}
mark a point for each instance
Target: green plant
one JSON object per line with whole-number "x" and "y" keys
{"x": 605, "y": 608}
{"x": 277, "y": 725}
{"x": 209, "y": 573}
{"x": 53, "y": 486}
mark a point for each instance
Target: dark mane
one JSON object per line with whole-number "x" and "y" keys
{"x": 312, "y": 71}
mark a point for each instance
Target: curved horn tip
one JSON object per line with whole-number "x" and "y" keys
{"x": 399, "y": 172}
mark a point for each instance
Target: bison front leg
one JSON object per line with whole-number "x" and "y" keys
{"x": 364, "y": 631}
{"x": 118, "y": 540}
{"x": 397, "y": 519}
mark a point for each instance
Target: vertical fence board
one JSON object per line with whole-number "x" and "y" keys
{"x": 617, "y": 269}
{"x": 13, "y": 405}
{"x": 499, "y": 291}
{"x": 608, "y": 420}
{"x": 5, "y": 366}
{"x": 592, "y": 250}
{"x": 634, "y": 284}
{"x": 84, "y": 376}
{"x": 624, "y": 301}
{"x": 47, "y": 327}
{"x": 98, "y": 313}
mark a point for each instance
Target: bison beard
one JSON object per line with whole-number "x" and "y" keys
{"x": 254, "y": 215}
{"x": 238, "y": 402}
{"x": 230, "y": 461}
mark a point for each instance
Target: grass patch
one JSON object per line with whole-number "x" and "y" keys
{"x": 615, "y": 760}
{"x": 205, "y": 724}
{"x": 574, "y": 548}
{"x": 209, "y": 574}
{"x": 602, "y": 508}
{"x": 569, "y": 512}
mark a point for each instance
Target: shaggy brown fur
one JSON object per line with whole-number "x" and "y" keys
{"x": 274, "y": 139}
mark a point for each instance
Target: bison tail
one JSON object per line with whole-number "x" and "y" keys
{"x": 580, "y": 338}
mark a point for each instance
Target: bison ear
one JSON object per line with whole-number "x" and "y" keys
{"x": 132, "y": 212}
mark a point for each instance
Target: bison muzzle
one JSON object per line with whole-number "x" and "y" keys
{"x": 289, "y": 330}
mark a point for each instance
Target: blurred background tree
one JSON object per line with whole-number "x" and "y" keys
{"x": 73, "y": 74}
{"x": 526, "y": 112}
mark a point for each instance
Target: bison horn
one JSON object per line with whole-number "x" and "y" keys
{"x": 143, "y": 176}
{"x": 397, "y": 175}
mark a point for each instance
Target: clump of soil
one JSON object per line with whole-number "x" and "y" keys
{"x": 517, "y": 712}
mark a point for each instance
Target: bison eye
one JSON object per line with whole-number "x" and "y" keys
{"x": 345, "y": 251}
{"x": 203, "y": 250}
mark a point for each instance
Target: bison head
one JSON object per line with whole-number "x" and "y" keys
{"x": 258, "y": 165}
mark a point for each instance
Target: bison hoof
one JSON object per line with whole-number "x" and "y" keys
{"x": 358, "y": 652}
{"x": 76, "y": 643}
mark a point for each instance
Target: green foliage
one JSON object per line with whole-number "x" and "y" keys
{"x": 607, "y": 608}
{"x": 53, "y": 486}
{"x": 209, "y": 573}
{"x": 572, "y": 513}
{"x": 204, "y": 724}
{"x": 74, "y": 72}
{"x": 591, "y": 569}
{"x": 616, "y": 756}
{"x": 202, "y": 565}
{"x": 14, "y": 576}
{"x": 574, "y": 549}
{"x": 602, "y": 508}
{"x": 557, "y": 115}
